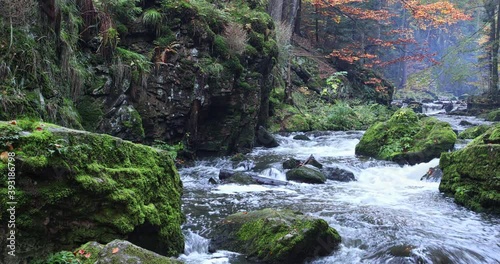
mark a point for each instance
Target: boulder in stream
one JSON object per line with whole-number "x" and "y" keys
{"x": 471, "y": 175}
{"x": 301, "y": 137}
{"x": 275, "y": 236}
{"x": 306, "y": 174}
{"x": 291, "y": 163}
{"x": 434, "y": 174}
{"x": 265, "y": 138}
{"x": 338, "y": 174}
{"x": 407, "y": 138}
{"x": 246, "y": 177}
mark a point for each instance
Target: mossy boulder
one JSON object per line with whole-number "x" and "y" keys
{"x": 119, "y": 251}
{"x": 473, "y": 132}
{"x": 407, "y": 138}
{"x": 295, "y": 123}
{"x": 472, "y": 175}
{"x": 307, "y": 174}
{"x": 74, "y": 186}
{"x": 275, "y": 236}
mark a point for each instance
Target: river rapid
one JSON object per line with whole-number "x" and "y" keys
{"x": 387, "y": 216}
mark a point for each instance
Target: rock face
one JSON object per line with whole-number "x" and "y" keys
{"x": 307, "y": 174}
{"x": 86, "y": 187}
{"x": 471, "y": 175}
{"x": 407, "y": 138}
{"x": 119, "y": 251}
{"x": 275, "y": 236}
{"x": 473, "y": 132}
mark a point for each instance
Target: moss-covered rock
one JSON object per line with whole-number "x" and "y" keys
{"x": 473, "y": 132}
{"x": 307, "y": 174}
{"x": 472, "y": 175}
{"x": 407, "y": 138}
{"x": 493, "y": 115}
{"x": 74, "y": 186}
{"x": 275, "y": 236}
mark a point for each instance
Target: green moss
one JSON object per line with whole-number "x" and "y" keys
{"x": 296, "y": 123}
{"x": 280, "y": 236}
{"x": 473, "y": 132}
{"x": 220, "y": 47}
{"x": 90, "y": 112}
{"x": 472, "y": 175}
{"x": 493, "y": 115}
{"x": 101, "y": 181}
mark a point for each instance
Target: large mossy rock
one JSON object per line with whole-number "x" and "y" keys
{"x": 275, "y": 236}
{"x": 307, "y": 174}
{"x": 472, "y": 175}
{"x": 473, "y": 132}
{"x": 119, "y": 251}
{"x": 407, "y": 138}
{"x": 74, "y": 186}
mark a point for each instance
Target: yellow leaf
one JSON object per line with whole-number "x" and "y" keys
{"x": 115, "y": 250}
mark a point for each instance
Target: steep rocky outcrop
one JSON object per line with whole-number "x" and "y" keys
{"x": 472, "y": 175}
{"x": 275, "y": 236}
{"x": 74, "y": 186}
{"x": 407, "y": 138}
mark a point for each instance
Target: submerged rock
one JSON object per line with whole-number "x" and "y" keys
{"x": 471, "y": 175}
{"x": 265, "y": 138}
{"x": 465, "y": 123}
{"x": 275, "y": 236}
{"x": 473, "y": 132}
{"x": 338, "y": 174}
{"x": 407, "y": 138}
{"x": 307, "y": 174}
{"x": 301, "y": 137}
{"x": 245, "y": 178}
{"x": 88, "y": 186}
{"x": 434, "y": 174}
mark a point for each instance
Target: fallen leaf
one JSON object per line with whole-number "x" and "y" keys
{"x": 115, "y": 250}
{"x": 13, "y": 122}
{"x": 39, "y": 128}
{"x": 9, "y": 146}
{"x": 81, "y": 251}
{"x": 88, "y": 255}
{"x": 4, "y": 156}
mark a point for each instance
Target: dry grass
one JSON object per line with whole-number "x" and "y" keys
{"x": 236, "y": 38}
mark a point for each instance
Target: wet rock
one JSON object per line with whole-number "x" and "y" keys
{"x": 313, "y": 162}
{"x": 407, "y": 138}
{"x": 245, "y": 178}
{"x": 119, "y": 251}
{"x": 447, "y": 107}
{"x": 291, "y": 163}
{"x": 470, "y": 175}
{"x": 473, "y": 132}
{"x": 415, "y": 106}
{"x": 265, "y": 138}
{"x": 434, "y": 174}
{"x": 275, "y": 236}
{"x": 301, "y": 137}
{"x": 306, "y": 174}
{"x": 212, "y": 181}
{"x": 338, "y": 174}
{"x": 465, "y": 123}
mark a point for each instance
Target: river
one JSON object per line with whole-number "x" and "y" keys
{"x": 387, "y": 216}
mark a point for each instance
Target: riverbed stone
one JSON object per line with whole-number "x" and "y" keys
{"x": 472, "y": 175}
{"x": 74, "y": 186}
{"x": 301, "y": 137}
{"x": 266, "y": 139}
{"x": 407, "y": 138}
{"x": 275, "y": 236}
{"x": 291, "y": 163}
{"x": 306, "y": 174}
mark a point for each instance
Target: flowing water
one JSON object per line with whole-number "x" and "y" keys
{"x": 387, "y": 216}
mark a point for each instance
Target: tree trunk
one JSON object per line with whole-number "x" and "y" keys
{"x": 494, "y": 54}
{"x": 296, "y": 26}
